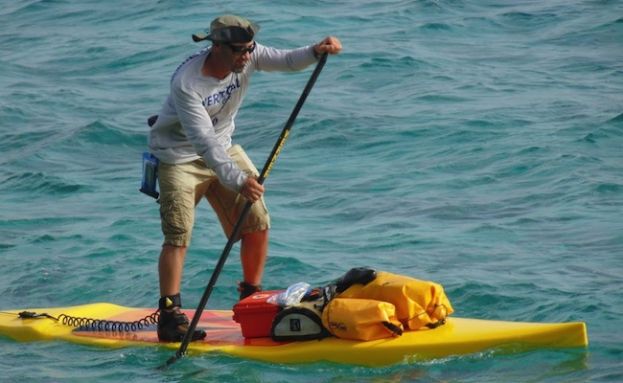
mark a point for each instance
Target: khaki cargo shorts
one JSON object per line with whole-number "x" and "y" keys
{"x": 181, "y": 189}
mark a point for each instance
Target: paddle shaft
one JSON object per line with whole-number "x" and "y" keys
{"x": 245, "y": 211}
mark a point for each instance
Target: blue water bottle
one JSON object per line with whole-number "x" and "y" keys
{"x": 150, "y": 175}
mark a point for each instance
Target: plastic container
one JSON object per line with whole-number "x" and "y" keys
{"x": 291, "y": 296}
{"x": 255, "y": 314}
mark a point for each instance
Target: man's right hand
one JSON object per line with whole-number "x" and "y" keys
{"x": 252, "y": 190}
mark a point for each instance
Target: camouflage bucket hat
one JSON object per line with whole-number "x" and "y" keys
{"x": 229, "y": 29}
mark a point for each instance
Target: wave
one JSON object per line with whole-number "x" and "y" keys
{"x": 617, "y": 119}
{"x": 38, "y": 183}
{"x": 92, "y": 138}
{"x": 104, "y": 133}
{"x": 437, "y": 27}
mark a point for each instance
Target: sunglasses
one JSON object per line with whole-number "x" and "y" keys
{"x": 241, "y": 49}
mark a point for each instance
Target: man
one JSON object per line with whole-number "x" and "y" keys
{"x": 191, "y": 137}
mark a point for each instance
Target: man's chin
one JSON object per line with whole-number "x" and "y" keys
{"x": 238, "y": 68}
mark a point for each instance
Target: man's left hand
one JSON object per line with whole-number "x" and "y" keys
{"x": 330, "y": 45}
{"x": 252, "y": 190}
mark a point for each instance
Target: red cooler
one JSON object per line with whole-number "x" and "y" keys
{"x": 255, "y": 314}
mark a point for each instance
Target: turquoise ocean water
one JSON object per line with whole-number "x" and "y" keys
{"x": 475, "y": 143}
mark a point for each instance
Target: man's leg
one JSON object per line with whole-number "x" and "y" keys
{"x": 177, "y": 209}
{"x": 170, "y": 268}
{"x": 253, "y": 251}
{"x": 228, "y": 206}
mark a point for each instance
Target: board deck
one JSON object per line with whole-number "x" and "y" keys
{"x": 459, "y": 336}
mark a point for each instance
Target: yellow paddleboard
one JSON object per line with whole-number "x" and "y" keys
{"x": 459, "y": 336}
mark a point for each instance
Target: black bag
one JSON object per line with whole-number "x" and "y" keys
{"x": 298, "y": 323}
{"x": 356, "y": 275}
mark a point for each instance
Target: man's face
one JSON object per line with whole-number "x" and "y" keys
{"x": 239, "y": 55}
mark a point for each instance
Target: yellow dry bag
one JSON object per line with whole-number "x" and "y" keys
{"x": 361, "y": 319}
{"x": 418, "y": 303}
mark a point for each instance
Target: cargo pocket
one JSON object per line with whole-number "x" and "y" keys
{"x": 177, "y": 215}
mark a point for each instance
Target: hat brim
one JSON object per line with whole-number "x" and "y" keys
{"x": 234, "y": 34}
{"x": 197, "y": 37}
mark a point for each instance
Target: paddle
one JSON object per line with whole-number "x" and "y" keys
{"x": 245, "y": 211}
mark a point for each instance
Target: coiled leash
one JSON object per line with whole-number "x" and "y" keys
{"x": 91, "y": 324}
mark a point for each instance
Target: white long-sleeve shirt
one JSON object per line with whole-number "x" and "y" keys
{"x": 197, "y": 118}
